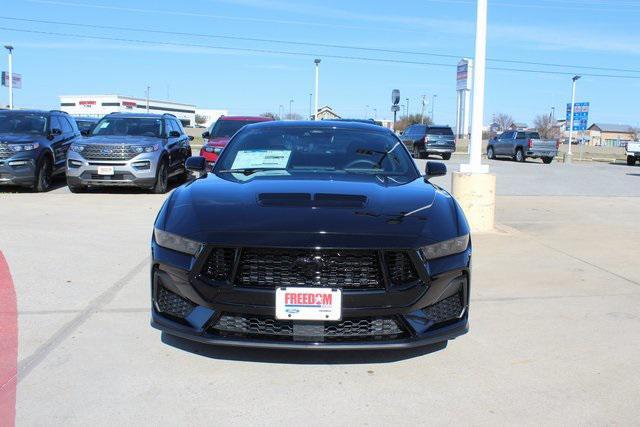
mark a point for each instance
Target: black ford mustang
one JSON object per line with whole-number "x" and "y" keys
{"x": 315, "y": 235}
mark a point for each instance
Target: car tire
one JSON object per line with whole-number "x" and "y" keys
{"x": 162, "y": 179}
{"x": 446, "y": 156}
{"x": 519, "y": 157}
{"x": 490, "y": 153}
{"x": 631, "y": 161}
{"x": 43, "y": 175}
{"x": 416, "y": 153}
{"x": 547, "y": 160}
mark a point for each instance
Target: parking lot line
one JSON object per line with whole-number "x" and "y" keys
{"x": 8, "y": 344}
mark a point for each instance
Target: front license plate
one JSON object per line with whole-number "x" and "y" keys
{"x": 308, "y": 304}
{"x": 105, "y": 170}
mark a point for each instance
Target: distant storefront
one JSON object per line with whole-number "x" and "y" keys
{"x": 100, "y": 105}
{"x": 611, "y": 135}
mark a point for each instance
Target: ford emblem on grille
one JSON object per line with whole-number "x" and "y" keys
{"x": 309, "y": 266}
{"x": 106, "y": 151}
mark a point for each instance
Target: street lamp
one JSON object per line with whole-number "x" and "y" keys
{"x": 10, "y": 49}
{"x": 147, "y": 91}
{"x": 310, "y": 106}
{"x": 315, "y": 112}
{"x": 407, "y": 99}
{"x": 366, "y": 111}
{"x": 375, "y": 114}
{"x": 290, "y": 102}
{"x": 567, "y": 157}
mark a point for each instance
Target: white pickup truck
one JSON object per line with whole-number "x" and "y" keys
{"x": 633, "y": 152}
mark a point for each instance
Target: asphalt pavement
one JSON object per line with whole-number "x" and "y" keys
{"x": 554, "y": 336}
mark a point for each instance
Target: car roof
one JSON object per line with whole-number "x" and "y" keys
{"x": 245, "y": 118}
{"x": 33, "y": 111}
{"x": 322, "y": 124}
{"x": 89, "y": 119}
{"x": 140, "y": 115}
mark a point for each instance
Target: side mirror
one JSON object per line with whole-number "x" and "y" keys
{"x": 85, "y": 132}
{"x": 174, "y": 134}
{"x": 190, "y": 138}
{"x": 435, "y": 169}
{"x": 206, "y": 134}
{"x": 197, "y": 164}
{"x": 56, "y": 132}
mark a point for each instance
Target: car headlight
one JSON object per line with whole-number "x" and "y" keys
{"x": 145, "y": 148}
{"x": 77, "y": 148}
{"x": 217, "y": 150}
{"x": 446, "y": 248}
{"x": 177, "y": 243}
{"x": 24, "y": 147}
{"x": 208, "y": 149}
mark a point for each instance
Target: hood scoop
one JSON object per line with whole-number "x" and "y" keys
{"x": 318, "y": 200}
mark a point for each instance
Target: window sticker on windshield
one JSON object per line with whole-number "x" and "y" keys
{"x": 261, "y": 159}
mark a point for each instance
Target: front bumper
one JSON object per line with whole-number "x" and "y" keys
{"x": 140, "y": 171}
{"x": 439, "y": 150}
{"x": 18, "y": 170}
{"x": 635, "y": 154}
{"x": 207, "y": 306}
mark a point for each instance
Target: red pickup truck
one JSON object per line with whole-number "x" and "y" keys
{"x": 219, "y": 134}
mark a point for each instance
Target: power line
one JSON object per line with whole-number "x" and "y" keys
{"x": 305, "y": 54}
{"x": 312, "y": 44}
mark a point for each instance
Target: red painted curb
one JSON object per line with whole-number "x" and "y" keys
{"x": 8, "y": 345}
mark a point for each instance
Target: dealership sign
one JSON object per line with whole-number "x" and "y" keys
{"x": 128, "y": 104}
{"x": 17, "y": 80}
{"x": 463, "y": 82}
{"x": 86, "y": 104}
{"x": 580, "y": 116}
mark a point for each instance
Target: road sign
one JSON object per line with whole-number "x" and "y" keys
{"x": 395, "y": 97}
{"x": 17, "y": 80}
{"x": 463, "y": 80}
{"x": 580, "y": 116}
{"x": 395, "y": 108}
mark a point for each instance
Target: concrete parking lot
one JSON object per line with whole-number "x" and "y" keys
{"x": 555, "y": 321}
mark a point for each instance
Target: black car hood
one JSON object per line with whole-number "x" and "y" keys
{"x": 121, "y": 140}
{"x": 358, "y": 211}
{"x": 18, "y": 138}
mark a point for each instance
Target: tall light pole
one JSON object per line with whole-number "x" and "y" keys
{"x": 315, "y": 112}
{"x": 148, "y": 87}
{"x": 424, "y": 103}
{"x": 375, "y": 114}
{"x": 366, "y": 111}
{"x": 290, "y": 102}
{"x": 407, "y": 99}
{"x": 10, "y": 49}
{"x": 567, "y": 157}
{"x": 310, "y": 106}
{"x": 280, "y": 111}
{"x": 433, "y": 107}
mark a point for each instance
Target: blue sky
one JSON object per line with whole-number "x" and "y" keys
{"x": 599, "y": 33}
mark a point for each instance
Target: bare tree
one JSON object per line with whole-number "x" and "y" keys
{"x": 292, "y": 116}
{"x": 636, "y": 133}
{"x": 271, "y": 116}
{"x": 200, "y": 119}
{"x": 413, "y": 119}
{"x": 546, "y": 126}
{"x": 504, "y": 121}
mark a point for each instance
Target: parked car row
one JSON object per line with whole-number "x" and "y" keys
{"x": 120, "y": 149}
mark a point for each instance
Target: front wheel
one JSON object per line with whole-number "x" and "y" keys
{"x": 446, "y": 156}
{"x": 416, "y": 153}
{"x": 547, "y": 160}
{"x": 162, "y": 179}
{"x": 519, "y": 157}
{"x": 76, "y": 188}
{"x": 490, "y": 153}
{"x": 43, "y": 176}
{"x": 631, "y": 160}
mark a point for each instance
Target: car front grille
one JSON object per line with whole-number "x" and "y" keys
{"x": 268, "y": 268}
{"x": 173, "y": 304}
{"x": 447, "y": 309}
{"x": 5, "y": 151}
{"x": 348, "y": 329}
{"x": 108, "y": 152}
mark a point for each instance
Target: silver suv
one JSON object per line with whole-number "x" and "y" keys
{"x": 124, "y": 149}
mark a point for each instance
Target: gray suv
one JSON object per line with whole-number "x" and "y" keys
{"x": 124, "y": 149}
{"x": 425, "y": 140}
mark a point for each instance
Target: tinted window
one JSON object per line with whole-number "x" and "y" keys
{"x": 226, "y": 128}
{"x": 86, "y": 125}
{"x": 23, "y": 123}
{"x": 74, "y": 125}
{"x": 137, "y": 126}
{"x": 419, "y": 131}
{"x": 520, "y": 135}
{"x": 55, "y": 123}
{"x": 440, "y": 131}
{"x": 318, "y": 150}
{"x": 176, "y": 126}
{"x": 533, "y": 135}
{"x": 506, "y": 135}
{"x": 408, "y": 131}
{"x": 66, "y": 126}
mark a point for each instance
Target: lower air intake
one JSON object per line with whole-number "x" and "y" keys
{"x": 173, "y": 304}
{"x": 447, "y": 309}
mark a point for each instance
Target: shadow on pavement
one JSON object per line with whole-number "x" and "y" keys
{"x": 299, "y": 357}
{"x": 57, "y": 182}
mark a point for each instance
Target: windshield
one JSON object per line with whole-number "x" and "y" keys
{"x": 85, "y": 125}
{"x": 227, "y": 128}
{"x": 317, "y": 150}
{"x": 23, "y": 123}
{"x": 134, "y": 126}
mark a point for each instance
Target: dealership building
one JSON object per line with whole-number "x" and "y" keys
{"x": 99, "y": 105}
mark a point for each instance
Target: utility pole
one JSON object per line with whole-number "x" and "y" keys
{"x": 424, "y": 102}
{"x": 290, "y": 102}
{"x": 375, "y": 114}
{"x": 280, "y": 111}
{"x": 553, "y": 113}
{"x": 10, "y": 49}
{"x": 317, "y": 62}
{"x": 148, "y": 87}
{"x": 310, "y": 106}
{"x": 407, "y": 99}
{"x": 568, "y": 156}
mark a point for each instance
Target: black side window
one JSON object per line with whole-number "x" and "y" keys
{"x": 177, "y": 127}
{"x": 408, "y": 131}
{"x": 506, "y": 135}
{"x": 168, "y": 124}
{"x": 66, "y": 126}
{"x": 74, "y": 125}
{"x": 55, "y": 123}
{"x": 520, "y": 135}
